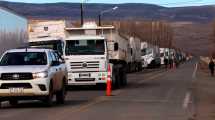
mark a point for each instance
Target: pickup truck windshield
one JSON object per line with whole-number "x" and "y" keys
{"x": 85, "y": 47}
{"x": 24, "y": 58}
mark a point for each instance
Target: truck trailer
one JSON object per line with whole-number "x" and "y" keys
{"x": 135, "y": 63}
{"x": 13, "y": 29}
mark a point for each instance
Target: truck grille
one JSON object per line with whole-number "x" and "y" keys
{"x": 85, "y": 65}
{"x": 16, "y": 76}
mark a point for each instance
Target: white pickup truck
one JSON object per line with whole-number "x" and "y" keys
{"x": 31, "y": 73}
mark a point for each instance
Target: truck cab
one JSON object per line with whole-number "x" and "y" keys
{"x": 54, "y": 43}
{"x": 86, "y": 59}
{"x": 150, "y": 55}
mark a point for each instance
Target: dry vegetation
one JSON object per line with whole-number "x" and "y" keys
{"x": 155, "y": 32}
{"x": 193, "y": 38}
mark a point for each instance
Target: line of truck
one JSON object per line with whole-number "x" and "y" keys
{"x": 88, "y": 50}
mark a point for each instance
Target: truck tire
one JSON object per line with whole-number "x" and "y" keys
{"x": 49, "y": 98}
{"x": 116, "y": 78}
{"x": 60, "y": 95}
{"x": 113, "y": 81}
{"x": 124, "y": 77}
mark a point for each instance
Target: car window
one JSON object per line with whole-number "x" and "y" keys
{"x": 24, "y": 58}
{"x": 54, "y": 58}
{"x": 50, "y": 57}
{"x": 59, "y": 58}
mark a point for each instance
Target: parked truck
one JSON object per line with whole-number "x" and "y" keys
{"x": 90, "y": 50}
{"x": 150, "y": 55}
{"x": 164, "y": 53}
{"x": 134, "y": 57}
{"x": 48, "y": 34}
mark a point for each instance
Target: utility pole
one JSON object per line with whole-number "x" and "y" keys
{"x": 82, "y": 13}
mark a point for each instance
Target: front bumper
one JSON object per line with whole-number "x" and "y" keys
{"x": 76, "y": 78}
{"x": 13, "y": 88}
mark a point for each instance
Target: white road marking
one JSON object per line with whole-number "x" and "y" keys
{"x": 195, "y": 70}
{"x": 187, "y": 100}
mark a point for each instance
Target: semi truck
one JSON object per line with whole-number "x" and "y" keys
{"x": 150, "y": 55}
{"x": 164, "y": 53}
{"x": 90, "y": 50}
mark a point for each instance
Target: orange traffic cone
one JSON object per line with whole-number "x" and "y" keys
{"x": 108, "y": 89}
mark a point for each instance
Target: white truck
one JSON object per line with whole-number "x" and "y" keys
{"x": 150, "y": 55}
{"x": 135, "y": 63}
{"x": 89, "y": 51}
{"x": 164, "y": 53}
{"x": 48, "y": 34}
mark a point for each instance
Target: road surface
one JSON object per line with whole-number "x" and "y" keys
{"x": 150, "y": 95}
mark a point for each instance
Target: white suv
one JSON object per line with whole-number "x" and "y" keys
{"x": 32, "y": 73}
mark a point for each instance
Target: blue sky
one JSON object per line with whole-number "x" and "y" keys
{"x": 168, "y": 3}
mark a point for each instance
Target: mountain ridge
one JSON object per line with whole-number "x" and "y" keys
{"x": 126, "y": 11}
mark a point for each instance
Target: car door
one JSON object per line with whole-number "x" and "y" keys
{"x": 62, "y": 66}
{"x": 55, "y": 71}
{"x": 59, "y": 76}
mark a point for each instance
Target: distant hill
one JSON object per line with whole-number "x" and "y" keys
{"x": 125, "y": 11}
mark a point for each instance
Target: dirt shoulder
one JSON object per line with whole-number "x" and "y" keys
{"x": 204, "y": 94}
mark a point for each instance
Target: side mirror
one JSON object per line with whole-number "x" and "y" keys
{"x": 55, "y": 63}
{"x": 116, "y": 46}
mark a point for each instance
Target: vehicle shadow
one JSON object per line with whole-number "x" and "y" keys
{"x": 41, "y": 105}
{"x": 86, "y": 88}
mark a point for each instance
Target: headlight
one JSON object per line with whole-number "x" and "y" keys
{"x": 40, "y": 75}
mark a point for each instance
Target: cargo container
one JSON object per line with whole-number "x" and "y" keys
{"x": 13, "y": 29}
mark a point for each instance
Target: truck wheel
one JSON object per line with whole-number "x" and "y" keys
{"x": 124, "y": 77}
{"x": 49, "y": 99}
{"x": 115, "y": 79}
{"x": 60, "y": 95}
{"x": 13, "y": 102}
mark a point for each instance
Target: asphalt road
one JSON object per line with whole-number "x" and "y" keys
{"x": 150, "y": 95}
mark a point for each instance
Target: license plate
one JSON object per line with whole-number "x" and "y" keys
{"x": 84, "y": 75}
{"x": 16, "y": 90}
